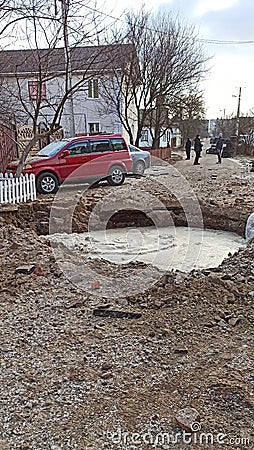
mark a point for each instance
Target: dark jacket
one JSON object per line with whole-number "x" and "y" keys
{"x": 197, "y": 145}
{"x": 219, "y": 145}
{"x": 188, "y": 144}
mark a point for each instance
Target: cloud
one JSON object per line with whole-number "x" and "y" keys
{"x": 233, "y": 64}
{"x": 217, "y": 19}
{"x": 234, "y": 23}
{"x": 205, "y": 6}
{"x": 182, "y": 7}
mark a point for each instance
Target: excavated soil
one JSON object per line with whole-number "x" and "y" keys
{"x": 74, "y": 379}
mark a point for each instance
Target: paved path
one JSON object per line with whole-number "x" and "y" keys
{"x": 208, "y": 161}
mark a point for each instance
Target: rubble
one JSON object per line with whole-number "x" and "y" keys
{"x": 25, "y": 269}
{"x": 188, "y": 419}
{"x": 116, "y": 314}
{"x": 71, "y": 379}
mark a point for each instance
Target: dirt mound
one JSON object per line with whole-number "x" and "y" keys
{"x": 75, "y": 380}
{"x": 72, "y": 379}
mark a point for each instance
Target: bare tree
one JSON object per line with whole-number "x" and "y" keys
{"x": 243, "y": 142}
{"x": 226, "y": 126}
{"x": 188, "y": 112}
{"x": 171, "y": 62}
{"x": 246, "y": 134}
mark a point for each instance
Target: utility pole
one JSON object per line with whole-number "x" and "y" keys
{"x": 67, "y": 57}
{"x": 238, "y": 115}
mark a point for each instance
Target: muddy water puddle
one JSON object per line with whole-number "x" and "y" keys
{"x": 166, "y": 248}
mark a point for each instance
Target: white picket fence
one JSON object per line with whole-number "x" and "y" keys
{"x": 17, "y": 189}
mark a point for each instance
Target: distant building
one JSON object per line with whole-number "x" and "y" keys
{"x": 171, "y": 137}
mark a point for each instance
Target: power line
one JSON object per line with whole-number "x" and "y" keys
{"x": 223, "y": 42}
{"x": 207, "y": 41}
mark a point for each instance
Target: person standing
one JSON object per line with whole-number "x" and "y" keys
{"x": 188, "y": 148}
{"x": 219, "y": 148}
{"x": 197, "y": 149}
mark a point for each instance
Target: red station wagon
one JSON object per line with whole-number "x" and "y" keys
{"x": 86, "y": 158}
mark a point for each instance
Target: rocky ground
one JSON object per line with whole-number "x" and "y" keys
{"x": 75, "y": 375}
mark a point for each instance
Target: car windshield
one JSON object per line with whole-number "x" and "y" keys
{"x": 133, "y": 148}
{"x": 52, "y": 149}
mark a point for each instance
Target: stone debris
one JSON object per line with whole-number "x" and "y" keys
{"x": 75, "y": 380}
{"x": 181, "y": 351}
{"x": 234, "y": 321}
{"x": 96, "y": 285}
{"x": 25, "y": 269}
{"x": 188, "y": 419}
{"x": 116, "y": 314}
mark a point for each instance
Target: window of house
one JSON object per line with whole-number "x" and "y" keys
{"x": 166, "y": 136}
{"x": 93, "y": 88}
{"x": 36, "y": 90}
{"x": 144, "y": 135}
{"x": 94, "y": 127}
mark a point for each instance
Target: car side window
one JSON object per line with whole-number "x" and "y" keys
{"x": 100, "y": 145}
{"x": 118, "y": 144}
{"x": 79, "y": 148}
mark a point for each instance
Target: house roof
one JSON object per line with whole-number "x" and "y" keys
{"x": 96, "y": 58}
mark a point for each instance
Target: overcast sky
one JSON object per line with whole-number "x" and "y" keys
{"x": 232, "y": 64}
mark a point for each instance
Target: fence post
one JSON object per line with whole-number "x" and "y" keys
{"x": 1, "y": 192}
{"x": 20, "y": 188}
{"x": 27, "y": 187}
{"x": 33, "y": 186}
{"x": 17, "y": 189}
{"x": 13, "y": 190}
{"x": 5, "y": 191}
{"x": 9, "y": 191}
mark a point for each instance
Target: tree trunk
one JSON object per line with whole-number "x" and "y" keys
{"x": 156, "y": 139}
{"x": 25, "y": 153}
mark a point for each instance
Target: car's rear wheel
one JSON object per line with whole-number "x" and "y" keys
{"x": 47, "y": 183}
{"x": 116, "y": 176}
{"x": 139, "y": 168}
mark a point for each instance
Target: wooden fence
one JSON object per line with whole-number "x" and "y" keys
{"x": 162, "y": 153}
{"x": 14, "y": 139}
{"x": 16, "y": 190}
{"x": 25, "y": 134}
{"x": 8, "y": 146}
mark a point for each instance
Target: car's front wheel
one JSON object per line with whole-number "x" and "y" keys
{"x": 47, "y": 183}
{"x": 139, "y": 168}
{"x": 116, "y": 176}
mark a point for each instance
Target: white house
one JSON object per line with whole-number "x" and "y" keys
{"x": 40, "y": 79}
{"x": 171, "y": 137}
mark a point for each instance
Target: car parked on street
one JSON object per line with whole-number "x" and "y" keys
{"x": 225, "y": 150}
{"x": 212, "y": 150}
{"x": 141, "y": 160}
{"x": 86, "y": 158}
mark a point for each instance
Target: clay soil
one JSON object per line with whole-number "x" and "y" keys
{"x": 74, "y": 380}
